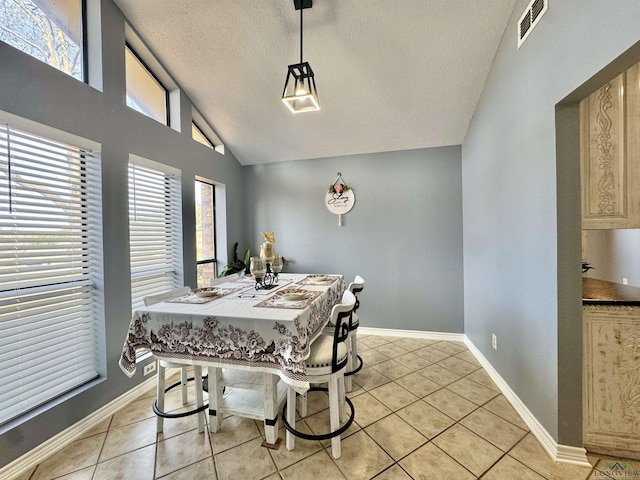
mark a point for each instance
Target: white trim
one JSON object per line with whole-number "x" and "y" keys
{"x": 451, "y": 337}
{"x": 47, "y": 448}
{"x": 558, "y": 453}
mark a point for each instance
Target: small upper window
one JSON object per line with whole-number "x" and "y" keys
{"x": 49, "y": 31}
{"x": 200, "y": 137}
{"x": 144, "y": 92}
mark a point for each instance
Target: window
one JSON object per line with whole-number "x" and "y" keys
{"x": 50, "y": 264}
{"x": 155, "y": 229}
{"x": 200, "y": 137}
{"x": 205, "y": 232}
{"x": 48, "y": 30}
{"x": 144, "y": 92}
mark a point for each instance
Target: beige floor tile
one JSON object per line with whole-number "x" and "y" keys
{"x": 409, "y": 344}
{"x": 131, "y": 437}
{"x": 362, "y": 458}
{"x": 234, "y": 431}
{"x": 391, "y": 350}
{"x": 393, "y": 396}
{"x": 494, "y": 429}
{"x": 428, "y": 420}
{"x": 481, "y": 377}
{"x": 471, "y": 451}
{"x": 396, "y": 436}
{"x": 356, "y": 389}
{"x": 84, "y": 474}
{"x": 303, "y": 448}
{"x": 472, "y": 391}
{"x": 320, "y": 424}
{"x": 606, "y": 465}
{"x": 432, "y": 355}
{"x": 392, "y": 369}
{"x": 204, "y": 469}
{"x": 369, "y": 409}
{"x": 394, "y": 473}
{"x": 459, "y": 366}
{"x": 530, "y": 452}
{"x": 177, "y": 452}
{"x": 137, "y": 464}
{"x": 509, "y": 469}
{"x": 76, "y": 456}
{"x": 438, "y": 374}
{"x": 176, "y": 426}
{"x": 319, "y": 466}
{"x": 431, "y": 463}
{"x": 137, "y": 410}
{"x": 249, "y": 461}
{"x": 467, "y": 356}
{"x": 418, "y": 384}
{"x": 450, "y": 403}
{"x": 562, "y": 470}
{"x": 368, "y": 378}
{"x": 372, "y": 357}
{"x": 501, "y": 407}
{"x": 316, "y": 402}
{"x": 452, "y": 348}
{"x": 101, "y": 427}
{"x": 413, "y": 361}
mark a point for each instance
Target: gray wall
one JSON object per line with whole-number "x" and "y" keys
{"x": 33, "y": 90}
{"x": 404, "y": 234}
{"x": 520, "y": 204}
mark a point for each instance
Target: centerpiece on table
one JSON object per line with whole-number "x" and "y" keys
{"x": 267, "y": 267}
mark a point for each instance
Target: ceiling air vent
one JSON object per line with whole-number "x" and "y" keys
{"x": 530, "y": 19}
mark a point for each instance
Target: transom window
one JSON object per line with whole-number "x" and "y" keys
{"x": 200, "y": 137}
{"x": 144, "y": 92}
{"x": 51, "y": 31}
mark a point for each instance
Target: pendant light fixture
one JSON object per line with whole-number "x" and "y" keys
{"x": 300, "y": 94}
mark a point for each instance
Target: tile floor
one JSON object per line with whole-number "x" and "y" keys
{"x": 425, "y": 409}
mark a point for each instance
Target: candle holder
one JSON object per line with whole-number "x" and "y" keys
{"x": 268, "y": 280}
{"x": 266, "y": 271}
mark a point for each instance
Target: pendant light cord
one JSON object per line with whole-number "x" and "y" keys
{"x": 301, "y": 10}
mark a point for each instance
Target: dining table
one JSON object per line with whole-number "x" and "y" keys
{"x": 235, "y": 327}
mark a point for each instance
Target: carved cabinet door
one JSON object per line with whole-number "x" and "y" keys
{"x": 610, "y": 154}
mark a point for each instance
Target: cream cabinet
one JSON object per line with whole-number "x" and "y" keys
{"x": 610, "y": 154}
{"x": 611, "y": 380}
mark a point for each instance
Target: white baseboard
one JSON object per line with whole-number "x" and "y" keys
{"x": 75, "y": 431}
{"x": 558, "y": 453}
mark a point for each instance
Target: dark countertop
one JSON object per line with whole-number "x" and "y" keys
{"x": 602, "y": 292}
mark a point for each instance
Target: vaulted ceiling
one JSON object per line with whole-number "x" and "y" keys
{"x": 391, "y": 74}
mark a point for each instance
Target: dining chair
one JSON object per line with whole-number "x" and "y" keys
{"x": 158, "y": 404}
{"x": 355, "y": 361}
{"x": 327, "y": 363}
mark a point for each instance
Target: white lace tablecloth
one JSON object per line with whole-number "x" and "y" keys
{"x": 248, "y": 329}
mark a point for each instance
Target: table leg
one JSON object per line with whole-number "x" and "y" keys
{"x": 271, "y": 408}
{"x": 215, "y": 398}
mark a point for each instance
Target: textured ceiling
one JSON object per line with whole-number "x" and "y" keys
{"x": 391, "y": 74}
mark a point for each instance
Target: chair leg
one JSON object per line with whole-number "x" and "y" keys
{"x": 341, "y": 394}
{"x": 197, "y": 372}
{"x": 215, "y": 398}
{"x": 183, "y": 381}
{"x": 291, "y": 417}
{"x": 334, "y": 414}
{"x": 160, "y": 397}
{"x": 303, "y": 405}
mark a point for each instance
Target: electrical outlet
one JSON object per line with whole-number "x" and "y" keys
{"x": 624, "y": 280}
{"x": 494, "y": 341}
{"x": 150, "y": 368}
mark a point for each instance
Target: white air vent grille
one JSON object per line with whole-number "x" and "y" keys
{"x": 530, "y": 19}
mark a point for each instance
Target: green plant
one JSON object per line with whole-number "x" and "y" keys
{"x": 237, "y": 265}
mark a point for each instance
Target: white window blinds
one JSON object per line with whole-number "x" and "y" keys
{"x": 155, "y": 230}
{"x": 50, "y": 260}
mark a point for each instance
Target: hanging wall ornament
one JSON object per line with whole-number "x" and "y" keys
{"x": 340, "y": 198}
